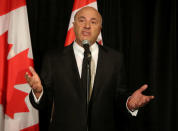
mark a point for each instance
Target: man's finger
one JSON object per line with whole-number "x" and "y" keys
{"x": 143, "y": 88}
{"x": 29, "y": 80}
{"x": 148, "y": 98}
{"x": 32, "y": 70}
{"x": 28, "y": 77}
{"x": 151, "y": 97}
{"x": 26, "y": 74}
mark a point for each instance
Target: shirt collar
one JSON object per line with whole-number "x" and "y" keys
{"x": 80, "y": 50}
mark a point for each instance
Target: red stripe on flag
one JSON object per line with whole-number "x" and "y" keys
{"x": 31, "y": 128}
{"x": 70, "y": 37}
{"x": 3, "y": 66}
{"x": 9, "y": 5}
{"x": 81, "y": 3}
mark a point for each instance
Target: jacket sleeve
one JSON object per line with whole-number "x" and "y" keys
{"x": 122, "y": 93}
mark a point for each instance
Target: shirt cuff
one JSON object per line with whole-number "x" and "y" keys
{"x": 133, "y": 113}
{"x": 37, "y": 100}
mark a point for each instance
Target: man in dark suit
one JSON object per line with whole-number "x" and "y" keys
{"x": 60, "y": 82}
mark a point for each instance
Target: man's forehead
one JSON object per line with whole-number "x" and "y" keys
{"x": 87, "y": 10}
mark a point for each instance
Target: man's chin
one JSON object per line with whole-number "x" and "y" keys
{"x": 85, "y": 38}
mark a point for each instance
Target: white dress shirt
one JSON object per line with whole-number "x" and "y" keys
{"x": 79, "y": 54}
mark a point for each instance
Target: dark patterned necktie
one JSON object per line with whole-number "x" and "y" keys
{"x": 86, "y": 73}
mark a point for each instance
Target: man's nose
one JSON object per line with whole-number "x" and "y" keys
{"x": 87, "y": 25}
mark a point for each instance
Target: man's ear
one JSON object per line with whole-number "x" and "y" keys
{"x": 101, "y": 25}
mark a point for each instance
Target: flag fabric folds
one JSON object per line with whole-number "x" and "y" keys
{"x": 78, "y": 4}
{"x": 16, "y": 111}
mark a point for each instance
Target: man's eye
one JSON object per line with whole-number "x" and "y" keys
{"x": 94, "y": 22}
{"x": 81, "y": 20}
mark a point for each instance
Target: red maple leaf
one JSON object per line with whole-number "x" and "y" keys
{"x": 12, "y": 73}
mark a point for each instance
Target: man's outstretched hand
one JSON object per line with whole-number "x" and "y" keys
{"x": 34, "y": 82}
{"x": 137, "y": 99}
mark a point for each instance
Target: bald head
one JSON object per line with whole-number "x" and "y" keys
{"x": 88, "y": 8}
{"x": 87, "y": 25}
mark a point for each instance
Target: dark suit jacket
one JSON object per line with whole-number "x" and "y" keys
{"x": 62, "y": 84}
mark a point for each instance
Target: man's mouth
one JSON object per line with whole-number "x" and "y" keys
{"x": 85, "y": 33}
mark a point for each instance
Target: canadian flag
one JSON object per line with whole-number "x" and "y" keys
{"x": 78, "y": 4}
{"x": 16, "y": 112}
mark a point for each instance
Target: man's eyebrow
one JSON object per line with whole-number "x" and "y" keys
{"x": 81, "y": 17}
{"x": 93, "y": 19}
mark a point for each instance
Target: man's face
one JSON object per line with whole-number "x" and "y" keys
{"x": 87, "y": 25}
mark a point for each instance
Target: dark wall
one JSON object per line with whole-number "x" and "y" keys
{"x": 145, "y": 31}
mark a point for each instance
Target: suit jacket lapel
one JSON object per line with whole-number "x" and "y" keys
{"x": 75, "y": 77}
